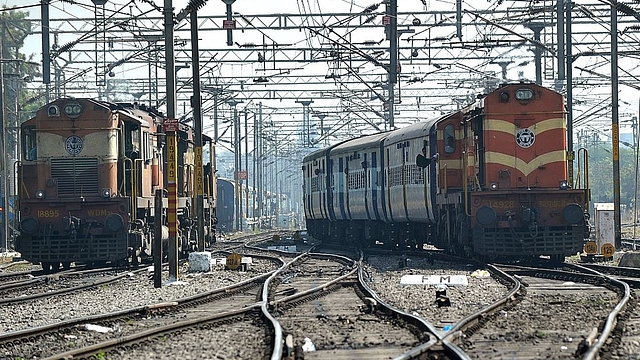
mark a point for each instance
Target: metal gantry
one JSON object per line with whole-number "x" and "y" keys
{"x": 358, "y": 68}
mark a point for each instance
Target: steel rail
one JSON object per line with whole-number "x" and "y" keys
{"x": 14, "y": 335}
{"x": 91, "y": 349}
{"x": 594, "y": 349}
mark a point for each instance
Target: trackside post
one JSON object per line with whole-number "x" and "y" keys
{"x": 157, "y": 240}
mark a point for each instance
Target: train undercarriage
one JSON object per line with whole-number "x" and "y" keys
{"x": 82, "y": 241}
{"x": 455, "y": 237}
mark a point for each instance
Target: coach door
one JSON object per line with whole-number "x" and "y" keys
{"x": 450, "y": 157}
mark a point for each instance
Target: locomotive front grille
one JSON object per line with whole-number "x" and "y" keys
{"x": 75, "y": 176}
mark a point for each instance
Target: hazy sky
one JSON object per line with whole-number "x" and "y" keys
{"x": 60, "y": 9}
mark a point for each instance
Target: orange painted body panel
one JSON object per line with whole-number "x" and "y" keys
{"x": 525, "y": 141}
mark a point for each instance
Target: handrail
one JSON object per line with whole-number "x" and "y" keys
{"x": 124, "y": 179}
{"x": 583, "y": 162}
{"x": 465, "y": 182}
{"x": 446, "y": 190}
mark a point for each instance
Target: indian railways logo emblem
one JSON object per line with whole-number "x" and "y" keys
{"x": 73, "y": 145}
{"x": 525, "y": 138}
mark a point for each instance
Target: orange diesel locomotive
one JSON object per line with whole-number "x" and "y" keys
{"x": 86, "y": 180}
{"x": 487, "y": 181}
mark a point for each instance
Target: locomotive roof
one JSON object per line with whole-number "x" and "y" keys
{"x": 505, "y": 86}
{"x": 142, "y": 114}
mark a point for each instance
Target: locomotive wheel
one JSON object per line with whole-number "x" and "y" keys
{"x": 50, "y": 266}
{"x": 46, "y": 266}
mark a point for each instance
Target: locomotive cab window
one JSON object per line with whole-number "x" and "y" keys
{"x": 449, "y": 139}
{"x": 132, "y": 140}
{"x": 29, "y": 144}
{"x": 146, "y": 154}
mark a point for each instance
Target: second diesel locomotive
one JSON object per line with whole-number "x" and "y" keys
{"x": 226, "y": 205}
{"x": 86, "y": 182}
{"x": 489, "y": 181}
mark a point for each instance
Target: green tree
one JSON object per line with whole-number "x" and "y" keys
{"x": 18, "y": 68}
{"x": 601, "y": 174}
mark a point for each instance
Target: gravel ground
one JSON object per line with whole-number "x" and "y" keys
{"x": 243, "y": 340}
{"x": 247, "y": 339}
{"x": 136, "y": 290}
{"x": 336, "y": 321}
{"x": 547, "y": 324}
{"x": 420, "y": 300}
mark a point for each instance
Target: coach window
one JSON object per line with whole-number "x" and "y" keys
{"x": 29, "y": 144}
{"x": 449, "y": 139}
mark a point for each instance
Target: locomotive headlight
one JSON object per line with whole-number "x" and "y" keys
{"x": 114, "y": 222}
{"x": 573, "y": 213}
{"x": 40, "y": 194}
{"x": 73, "y": 109}
{"x": 563, "y": 185}
{"x": 106, "y": 193}
{"x": 493, "y": 186}
{"x": 30, "y": 225}
{"x": 486, "y": 215}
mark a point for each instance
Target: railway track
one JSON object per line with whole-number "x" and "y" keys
{"x": 317, "y": 276}
{"x": 342, "y": 317}
{"x": 545, "y": 318}
{"x": 96, "y": 333}
{"x": 559, "y": 314}
{"x": 65, "y": 282}
{"x": 237, "y": 304}
{"x": 624, "y": 341}
{"x": 332, "y": 301}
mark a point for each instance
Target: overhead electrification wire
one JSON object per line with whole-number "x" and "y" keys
{"x": 68, "y": 46}
{"x": 20, "y": 7}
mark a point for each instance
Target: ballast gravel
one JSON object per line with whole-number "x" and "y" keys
{"x": 385, "y": 273}
{"x": 133, "y": 291}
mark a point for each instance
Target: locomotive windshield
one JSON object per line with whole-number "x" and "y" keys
{"x": 132, "y": 140}
{"x": 449, "y": 139}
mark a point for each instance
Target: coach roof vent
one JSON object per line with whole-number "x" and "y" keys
{"x": 53, "y": 110}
